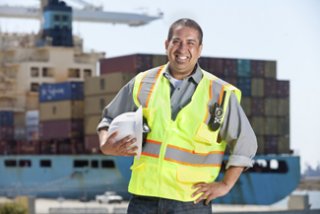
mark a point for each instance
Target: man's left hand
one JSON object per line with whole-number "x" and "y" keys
{"x": 210, "y": 191}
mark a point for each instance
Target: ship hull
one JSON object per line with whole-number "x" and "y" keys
{"x": 84, "y": 176}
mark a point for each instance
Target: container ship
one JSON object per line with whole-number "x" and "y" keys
{"x": 51, "y": 100}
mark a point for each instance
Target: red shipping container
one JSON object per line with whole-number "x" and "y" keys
{"x": 270, "y": 87}
{"x": 6, "y": 132}
{"x": 118, "y": 64}
{"x": 232, "y": 80}
{"x": 129, "y": 64}
{"x": 230, "y": 68}
{"x": 92, "y": 144}
{"x": 257, "y": 68}
{"x": 257, "y": 106}
{"x": 271, "y": 144}
{"x": 216, "y": 67}
{"x": 283, "y": 88}
{"x": 144, "y": 62}
{"x": 28, "y": 147}
{"x": 61, "y": 129}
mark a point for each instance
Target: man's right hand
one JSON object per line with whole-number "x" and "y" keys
{"x": 110, "y": 146}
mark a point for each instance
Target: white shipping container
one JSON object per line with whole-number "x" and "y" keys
{"x": 32, "y": 132}
{"x": 19, "y": 133}
{"x": 32, "y": 118}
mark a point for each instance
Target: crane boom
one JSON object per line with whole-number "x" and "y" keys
{"x": 83, "y": 15}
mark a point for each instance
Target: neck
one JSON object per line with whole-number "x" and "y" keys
{"x": 179, "y": 75}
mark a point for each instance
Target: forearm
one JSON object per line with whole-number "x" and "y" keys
{"x": 231, "y": 176}
{"x": 110, "y": 146}
{"x": 103, "y": 136}
{"x": 214, "y": 190}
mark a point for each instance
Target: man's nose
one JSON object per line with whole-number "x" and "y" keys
{"x": 183, "y": 46}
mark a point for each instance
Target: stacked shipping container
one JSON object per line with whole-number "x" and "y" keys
{"x": 61, "y": 116}
{"x": 6, "y": 125}
{"x": 265, "y": 99}
{"x": 99, "y": 91}
{"x": 70, "y": 111}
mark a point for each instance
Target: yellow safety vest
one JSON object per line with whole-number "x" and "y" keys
{"x": 177, "y": 154}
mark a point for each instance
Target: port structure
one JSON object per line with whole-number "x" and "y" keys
{"x": 89, "y": 13}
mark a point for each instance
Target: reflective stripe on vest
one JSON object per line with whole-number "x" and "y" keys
{"x": 148, "y": 81}
{"x": 183, "y": 156}
{"x": 188, "y": 157}
{"x": 151, "y": 148}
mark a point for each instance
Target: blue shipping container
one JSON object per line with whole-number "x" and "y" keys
{"x": 244, "y": 84}
{"x": 244, "y": 68}
{"x": 61, "y": 91}
{"x": 6, "y": 118}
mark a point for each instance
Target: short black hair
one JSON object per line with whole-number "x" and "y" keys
{"x": 186, "y": 23}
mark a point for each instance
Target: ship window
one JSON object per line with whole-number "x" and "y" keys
{"x": 10, "y": 163}
{"x": 74, "y": 72}
{"x": 80, "y": 163}
{"x": 108, "y": 164}
{"x": 274, "y": 164}
{"x": 47, "y": 72}
{"x": 269, "y": 166}
{"x": 65, "y": 18}
{"x": 34, "y": 87}
{"x": 34, "y": 72}
{"x": 56, "y": 18}
{"x": 87, "y": 72}
{"x": 25, "y": 163}
{"x": 94, "y": 164}
{"x": 45, "y": 163}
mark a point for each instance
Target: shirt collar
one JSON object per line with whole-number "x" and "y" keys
{"x": 196, "y": 76}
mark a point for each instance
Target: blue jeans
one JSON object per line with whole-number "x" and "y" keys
{"x": 152, "y": 205}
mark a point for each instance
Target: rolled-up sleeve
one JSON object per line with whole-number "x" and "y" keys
{"x": 238, "y": 133}
{"x": 122, "y": 102}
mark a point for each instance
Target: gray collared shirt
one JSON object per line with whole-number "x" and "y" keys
{"x": 236, "y": 129}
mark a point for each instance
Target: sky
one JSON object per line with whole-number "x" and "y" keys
{"x": 287, "y": 31}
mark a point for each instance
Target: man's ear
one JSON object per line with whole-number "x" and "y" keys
{"x": 166, "y": 44}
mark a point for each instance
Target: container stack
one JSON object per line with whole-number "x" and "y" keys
{"x": 131, "y": 63}
{"x": 99, "y": 91}
{"x": 6, "y": 125}
{"x": 61, "y": 115}
{"x": 32, "y": 125}
{"x": 264, "y": 98}
{"x": 19, "y": 125}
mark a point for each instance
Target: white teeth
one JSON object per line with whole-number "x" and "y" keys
{"x": 182, "y": 57}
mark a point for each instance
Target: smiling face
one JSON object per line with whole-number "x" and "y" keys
{"x": 183, "y": 50}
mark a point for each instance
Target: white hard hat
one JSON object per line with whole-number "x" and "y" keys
{"x": 129, "y": 123}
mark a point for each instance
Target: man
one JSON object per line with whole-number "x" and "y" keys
{"x": 192, "y": 116}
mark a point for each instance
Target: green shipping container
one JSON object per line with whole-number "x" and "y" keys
{"x": 271, "y": 107}
{"x": 257, "y": 87}
{"x": 270, "y": 69}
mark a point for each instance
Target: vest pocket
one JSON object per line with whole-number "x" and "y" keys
{"x": 138, "y": 166}
{"x": 204, "y": 139}
{"x": 194, "y": 174}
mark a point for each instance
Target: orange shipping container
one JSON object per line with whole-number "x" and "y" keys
{"x": 95, "y": 104}
{"x": 91, "y": 123}
{"x": 61, "y": 110}
{"x": 32, "y": 101}
{"x": 92, "y": 143}
{"x": 108, "y": 83}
